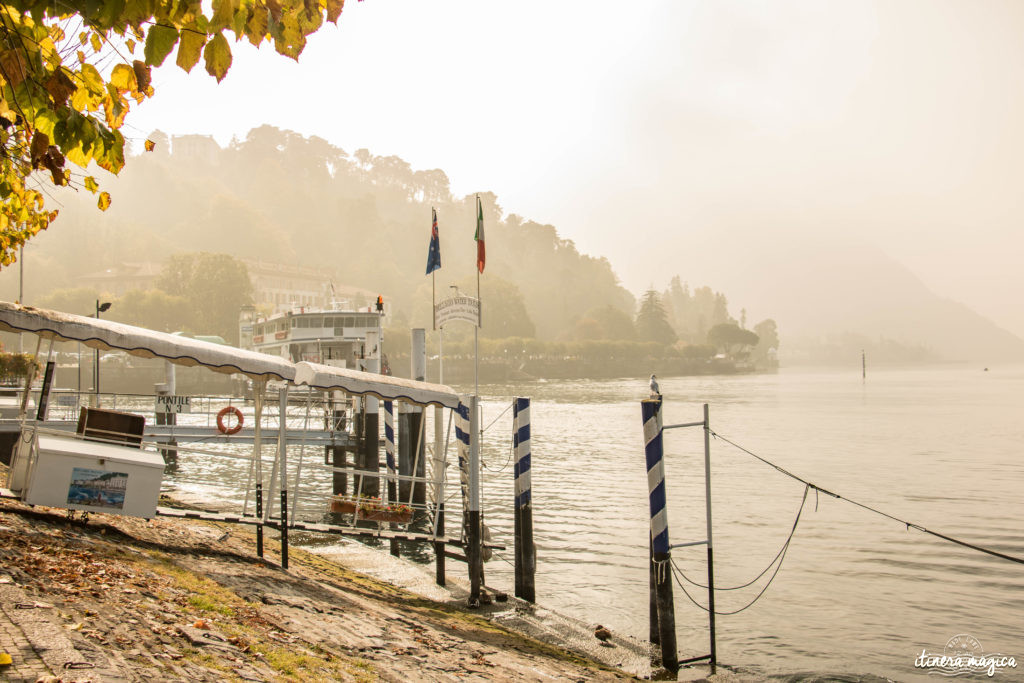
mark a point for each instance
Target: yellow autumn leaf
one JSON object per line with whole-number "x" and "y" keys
{"x": 5, "y": 659}
{"x": 123, "y": 77}
{"x": 104, "y": 201}
{"x": 150, "y": 145}
{"x": 91, "y": 184}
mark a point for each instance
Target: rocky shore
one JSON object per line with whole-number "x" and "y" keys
{"x": 125, "y": 599}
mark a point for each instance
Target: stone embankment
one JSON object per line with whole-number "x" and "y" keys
{"x": 125, "y": 599}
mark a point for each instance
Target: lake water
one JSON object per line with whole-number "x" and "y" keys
{"x": 858, "y": 594}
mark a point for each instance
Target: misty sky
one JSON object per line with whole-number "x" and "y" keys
{"x": 635, "y": 127}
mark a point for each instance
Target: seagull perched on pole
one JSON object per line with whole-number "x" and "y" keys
{"x": 655, "y": 393}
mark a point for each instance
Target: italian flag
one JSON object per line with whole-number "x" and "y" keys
{"x": 481, "y": 253}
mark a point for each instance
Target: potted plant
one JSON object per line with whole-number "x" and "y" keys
{"x": 371, "y": 509}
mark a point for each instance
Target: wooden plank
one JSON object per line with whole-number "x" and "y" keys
{"x": 312, "y": 526}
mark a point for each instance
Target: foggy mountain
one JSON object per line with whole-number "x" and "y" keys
{"x": 365, "y": 219}
{"x": 290, "y": 199}
{"x": 832, "y": 296}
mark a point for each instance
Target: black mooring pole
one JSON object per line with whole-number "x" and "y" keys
{"x": 711, "y": 559}
{"x": 473, "y": 550}
{"x": 652, "y": 597}
{"x": 439, "y": 547}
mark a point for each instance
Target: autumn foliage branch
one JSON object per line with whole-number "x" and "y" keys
{"x": 70, "y": 72}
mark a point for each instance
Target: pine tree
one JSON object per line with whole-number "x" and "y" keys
{"x": 652, "y": 321}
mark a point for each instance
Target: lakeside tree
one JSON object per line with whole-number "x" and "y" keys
{"x": 652, "y": 321}
{"x": 604, "y": 323}
{"x": 215, "y": 286}
{"x": 731, "y": 339}
{"x": 768, "y": 341}
{"x": 692, "y": 314}
{"x": 61, "y": 102}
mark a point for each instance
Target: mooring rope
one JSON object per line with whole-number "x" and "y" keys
{"x": 778, "y": 555}
{"x": 909, "y": 525}
{"x": 511, "y": 447}
{"x": 508, "y": 408}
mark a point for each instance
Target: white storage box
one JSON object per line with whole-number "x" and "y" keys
{"x": 96, "y": 477}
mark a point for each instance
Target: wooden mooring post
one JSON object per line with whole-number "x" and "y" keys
{"x": 660, "y": 553}
{"x": 526, "y": 553}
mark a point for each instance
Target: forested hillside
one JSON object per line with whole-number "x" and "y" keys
{"x": 282, "y": 197}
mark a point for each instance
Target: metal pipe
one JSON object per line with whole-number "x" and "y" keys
{"x": 684, "y": 424}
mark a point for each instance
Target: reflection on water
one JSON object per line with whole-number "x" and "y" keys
{"x": 858, "y": 594}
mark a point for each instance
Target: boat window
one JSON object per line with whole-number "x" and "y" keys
{"x": 316, "y": 322}
{"x": 295, "y": 322}
{"x": 350, "y": 321}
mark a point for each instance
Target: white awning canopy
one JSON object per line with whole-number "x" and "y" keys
{"x": 381, "y": 386}
{"x": 138, "y": 341}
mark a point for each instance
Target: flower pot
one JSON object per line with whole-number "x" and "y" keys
{"x": 343, "y": 506}
{"x": 384, "y": 515}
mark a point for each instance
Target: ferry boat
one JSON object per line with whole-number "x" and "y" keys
{"x": 335, "y": 336}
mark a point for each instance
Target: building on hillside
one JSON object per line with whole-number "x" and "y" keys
{"x": 276, "y": 287}
{"x": 197, "y": 147}
{"x": 122, "y": 278}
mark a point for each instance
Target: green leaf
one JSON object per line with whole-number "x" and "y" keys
{"x": 159, "y": 42}
{"x": 46, "y": 121}
{"x": 190, "y": 48}
{"x": 123, "y": 77}
{"x": 218, "y": 57}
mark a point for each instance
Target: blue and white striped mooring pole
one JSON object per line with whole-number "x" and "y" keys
{"x": 660, "y": 551}
{"x": 526, "y": 553}
{"x": 389, "y": 457}
{"x": 466, "y": 431}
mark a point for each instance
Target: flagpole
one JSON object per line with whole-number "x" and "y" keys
{"x": 480, "y": 310}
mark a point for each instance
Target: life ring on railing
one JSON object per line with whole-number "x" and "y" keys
{"x": 220, "y": 420}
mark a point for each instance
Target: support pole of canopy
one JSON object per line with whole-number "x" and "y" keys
{"x": 257, "y": 453}
{"x": 282, "y": 457}
{"x": 438, "y": 472}
{"x": 30, "y": 377}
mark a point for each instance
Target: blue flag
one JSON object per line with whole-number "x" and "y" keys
{"x": 434, "y": 254}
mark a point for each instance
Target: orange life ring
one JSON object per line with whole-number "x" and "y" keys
{"x": 220, "y": 420}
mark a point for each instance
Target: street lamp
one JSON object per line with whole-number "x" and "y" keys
{"x": 100, "y": 308}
